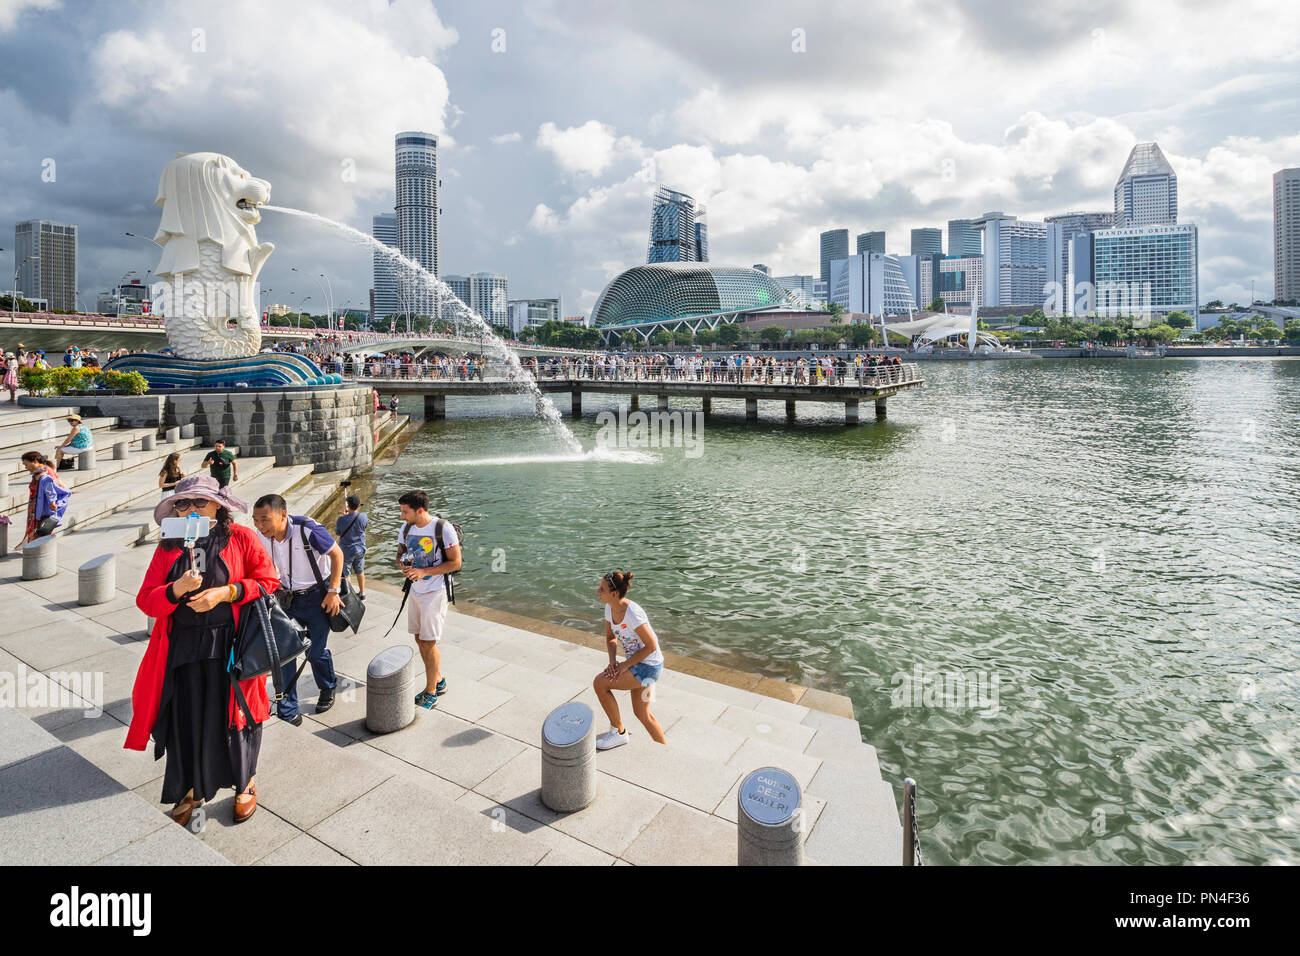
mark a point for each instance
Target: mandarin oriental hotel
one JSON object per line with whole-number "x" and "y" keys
{"x": 1145, "y": 269}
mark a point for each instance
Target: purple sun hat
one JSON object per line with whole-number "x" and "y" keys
{"x": 197, "y": 486}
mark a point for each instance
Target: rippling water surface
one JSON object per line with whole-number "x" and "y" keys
{"x": 1103, "y": 553}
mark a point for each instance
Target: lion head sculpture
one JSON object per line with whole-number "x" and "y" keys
{"x": 211, "y": 256}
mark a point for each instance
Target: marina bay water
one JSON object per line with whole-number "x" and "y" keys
{"x": 1061, "y": 594}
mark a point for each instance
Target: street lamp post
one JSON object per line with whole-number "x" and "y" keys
{"x": 119, "y": 290}
{"x": 300, "y": 305}
{"x": 13, "y": 298}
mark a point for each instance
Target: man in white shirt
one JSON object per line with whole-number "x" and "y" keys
{"x": 428, "y": 550}
{"x": 308, "y": 603}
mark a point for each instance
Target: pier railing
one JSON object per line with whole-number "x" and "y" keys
{"x": 878, "y": 377}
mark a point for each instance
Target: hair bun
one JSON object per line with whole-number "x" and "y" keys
{"x": 627, "y": 577}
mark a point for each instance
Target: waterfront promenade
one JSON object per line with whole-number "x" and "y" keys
{"x": 460, "y": 785}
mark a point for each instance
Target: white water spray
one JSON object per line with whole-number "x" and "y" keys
{"x": 545, "y": 407}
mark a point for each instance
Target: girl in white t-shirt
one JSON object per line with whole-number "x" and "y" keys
{"x": 627, "y": 625}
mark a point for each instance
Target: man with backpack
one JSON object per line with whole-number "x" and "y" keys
{"x": 428, "y": 552}
{"x": 350, "y": 530}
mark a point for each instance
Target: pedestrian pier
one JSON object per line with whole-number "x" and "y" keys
{"x": 851, "y": 390}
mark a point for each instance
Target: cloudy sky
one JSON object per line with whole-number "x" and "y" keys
{"x": 557, "y": 117}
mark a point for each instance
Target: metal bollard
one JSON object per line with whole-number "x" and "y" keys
{"x": 769, "y": 821}
{"x": 389, "y": 681}
{"x": 40, "y": 559}
{"x": 569, "y": 758}
{"x": 911, "y": 838}
{"x": 97, "y": 580}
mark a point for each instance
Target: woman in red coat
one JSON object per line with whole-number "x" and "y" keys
{"x": 182, "y": 694}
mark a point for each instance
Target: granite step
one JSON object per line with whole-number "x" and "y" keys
{"x": 106, "y": 466}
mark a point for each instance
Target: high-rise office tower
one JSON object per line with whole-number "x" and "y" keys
{"x": 1146, "y": 193}
{"x": 963, "y": 238}
{"x": 926, "y": 241}
{"x": 489, "y": 296}
{"x": 384, "y": 301}
{"x": 871, "y": 242}
{"x": 1076, "y": 255}
{"x": 417, "y": 216}
{"x": 835, "y": 245}
{"x": 678, "y": 228}
{"x": 1286, "y": 234}
{"x": 46, "y": 257}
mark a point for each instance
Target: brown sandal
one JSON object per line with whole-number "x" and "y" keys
{"x": 241, "y": 817}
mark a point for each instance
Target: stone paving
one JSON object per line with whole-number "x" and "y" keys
{"x": 459, "y": 785}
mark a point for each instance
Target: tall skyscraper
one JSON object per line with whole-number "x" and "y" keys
{"x": 963, "y": 238}
{"x": 926, "y": 241}
{"x": 384, "y": 298}
{"x": 417, "y": 215}
{"x": 1286, "y": 234}
{"x": 1021, "y": 261}
{"x": 489, "y": 296}
{"x": 1146, "y": 193}
{"x": 46, "y": 254}
{"x": 678, "y": 228}
{"x": 766, "y": 270}
{"x": 1076, "y": 255}
{"x": 1146, "y": 269}
{"x": 835, "y": 245}
{"x": 871, "y": 242}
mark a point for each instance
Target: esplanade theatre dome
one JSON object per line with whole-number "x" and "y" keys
{"x": 674, "y": 290}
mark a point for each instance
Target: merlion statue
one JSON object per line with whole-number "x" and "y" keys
{"x": 211, "y": 256}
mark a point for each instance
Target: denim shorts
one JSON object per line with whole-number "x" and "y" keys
{"x": 354, "y": 562}
{"x": 647, "y": 674}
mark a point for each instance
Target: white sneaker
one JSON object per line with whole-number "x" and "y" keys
{"x": 611, "y": 739}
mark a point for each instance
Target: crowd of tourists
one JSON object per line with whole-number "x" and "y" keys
{"x": 208, "y": 724}
{"x": 738, "y": 369}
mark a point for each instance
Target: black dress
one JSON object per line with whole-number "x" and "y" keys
{"x": 204, "y": 752}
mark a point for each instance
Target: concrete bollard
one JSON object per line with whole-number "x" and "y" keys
{"x": 86, "y": 460}
{"x": 569, "y": 758}
{"x": 4, "y": 539}
{"x": 173, "y": 435}
{"x": 769, "y": 819}
{"x": 97, "y": 580}
{"x": 187, "y": 431}
{"x": 146, "y": 443}
{"x": 40, "y": 559}
{"x": 4, "y": 483}
{"x": 390, "y": 704}
{"x": 119, "y": 451}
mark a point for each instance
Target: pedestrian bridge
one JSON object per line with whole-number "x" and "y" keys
{"x": 851, "y": 390}
{"x": 421, "y": 343}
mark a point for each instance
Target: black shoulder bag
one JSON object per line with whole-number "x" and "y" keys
{"x": 266, "y": 640}
{"x": 351, "y": 608}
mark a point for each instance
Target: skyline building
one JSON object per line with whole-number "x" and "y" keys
{"x": 417, "y": 183}
{"x": 959, "y": 282}
{"x": 1143, "y": 269}
{"x": 678, "y": 228}
{"x": 963, "y": 238}
{"x": 46, "y": 257}
{"x": 927, "y": 240}
{"x": 799, "y": 287}
{"x": 489, "y": 294}
{"x": 1286, "y": 234}
{"x": 384, "y": 286}
{"x": 834, "y": 245}
{"x": 1022, "y": 259}
{"x": 871, "y": 242}
{"x": 522, "y": 313}
{"x": 1076, "y": 255}
{"x": 874, "y": 283}
{"x": 1146, "y": 193}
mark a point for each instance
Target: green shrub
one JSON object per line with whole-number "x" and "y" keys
{"x": 133, "y": 383}
{"x": 35, "y": 380}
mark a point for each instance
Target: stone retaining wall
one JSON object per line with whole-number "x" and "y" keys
{"x": 330, "y": 428}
